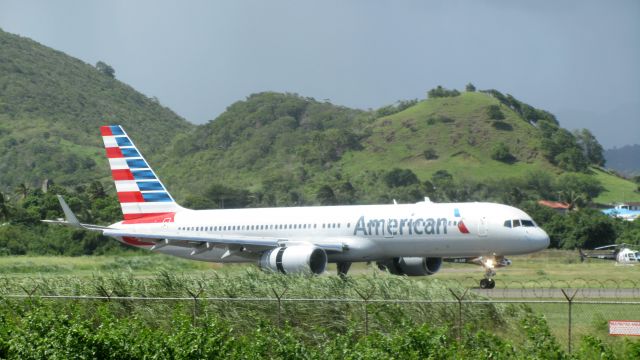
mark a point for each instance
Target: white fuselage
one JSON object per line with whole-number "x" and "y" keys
{"x": 364, "y": 232}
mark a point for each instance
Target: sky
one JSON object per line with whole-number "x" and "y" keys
{"x": 579, "y": 59}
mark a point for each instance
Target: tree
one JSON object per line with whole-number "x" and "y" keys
{"x": 440, "y": 91}
{"x": 22, "y": 190}
{"x": 400, "y": 177}
{"x": 225, "y": 197}
{"x": 325, "y": 195}
{"x": 4, "y": 207}
{"x": 443, "y": 185}
{"x": 105, "y": 69}
{"x": 577, "y": 189}
{"x": 96, "y": 190}
{"x": 572, "y": 159}
{"x": 494, "y": 112}
{"x": 591, "y": 148}
{"x": 470, "y": 87}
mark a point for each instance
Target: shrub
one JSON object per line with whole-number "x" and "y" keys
{"x": 494, "y": 112}
{"x": 430, "y": 154}
{"x": 442, "y": 92}
{"x": 500, "y": 152}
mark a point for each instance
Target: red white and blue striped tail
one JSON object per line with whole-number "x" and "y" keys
{"x": 141, "y": 194}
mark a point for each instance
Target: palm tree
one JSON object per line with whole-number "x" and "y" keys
{"x": 4, "y": 208}
{"x": 22, "y": 190}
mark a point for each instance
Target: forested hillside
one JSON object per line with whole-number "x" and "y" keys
{"x": 51, "y": 106}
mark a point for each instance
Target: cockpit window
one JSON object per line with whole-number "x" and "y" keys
{"x": 528, "y": 223}
{"x": 507, "y": 223}
{"x": 516, "y": 223}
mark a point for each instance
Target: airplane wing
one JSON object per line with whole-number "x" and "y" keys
{"x": 199, "y": 242}
{"x": 206, "y": 241}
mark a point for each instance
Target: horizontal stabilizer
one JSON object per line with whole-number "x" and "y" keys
{"x": 71, "y": 219}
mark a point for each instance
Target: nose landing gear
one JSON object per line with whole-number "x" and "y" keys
{"x": 488, "y": 282}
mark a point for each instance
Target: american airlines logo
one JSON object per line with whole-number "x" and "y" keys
{"x": 419, "y": 226}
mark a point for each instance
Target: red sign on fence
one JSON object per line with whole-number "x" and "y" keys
{"x": 624, "y": 328}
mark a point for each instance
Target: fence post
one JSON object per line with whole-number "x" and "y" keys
{"x": 279, "y": 298}
{"x": 365, "y": 298}
{"x": 30, "y": 293}
{"x": 195, "y": 296}
{"x": 570, "y": 300}
{"x": 459, "y": 298}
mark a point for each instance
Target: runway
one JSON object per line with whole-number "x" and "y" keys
{"x": 556, "y": 293}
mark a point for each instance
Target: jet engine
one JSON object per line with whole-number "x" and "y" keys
{"x": 411, "y": 266}
{"x": 295, "y": 259}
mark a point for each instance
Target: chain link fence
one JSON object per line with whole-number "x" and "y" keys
{"x": 570, "y": 313}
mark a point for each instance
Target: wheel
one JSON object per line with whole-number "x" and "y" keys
{"x": 484, "y": 284}
{"x": 492, "y": 284}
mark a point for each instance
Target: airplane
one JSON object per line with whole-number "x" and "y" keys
{"x": 620, "y": 253}
{"x": 404, "y": 239}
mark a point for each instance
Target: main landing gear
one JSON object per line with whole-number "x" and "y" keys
{"x": 343, "y": 268}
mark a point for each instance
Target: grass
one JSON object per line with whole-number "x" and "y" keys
{"x": 549, "y": 268}
{"x": 87, "y": 266}
{"x": 617, "y": 189}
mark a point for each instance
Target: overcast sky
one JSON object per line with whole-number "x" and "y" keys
{"x": 578, "y": 59}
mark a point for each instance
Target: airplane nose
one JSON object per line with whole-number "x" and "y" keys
{"x": 537, "y": 239}
{"x": 541, "y": 238}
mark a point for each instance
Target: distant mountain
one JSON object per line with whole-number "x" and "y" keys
{"x": 51, "y": 106}
{"x": 625, "y": 160}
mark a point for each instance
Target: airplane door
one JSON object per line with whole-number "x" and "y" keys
{"x": 482, "y": 226}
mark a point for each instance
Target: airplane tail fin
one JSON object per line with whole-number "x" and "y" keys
{"x": 142, "y": 195}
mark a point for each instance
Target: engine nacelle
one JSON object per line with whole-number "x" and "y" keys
{"x": 295, "y": 259}
{"x": 411, "y": 266}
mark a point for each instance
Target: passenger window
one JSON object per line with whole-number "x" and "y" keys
{"x": 507, "y": 223}
{"x": 516, "y": 223}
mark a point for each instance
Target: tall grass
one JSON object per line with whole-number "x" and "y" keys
{"x": 304, "y": 307}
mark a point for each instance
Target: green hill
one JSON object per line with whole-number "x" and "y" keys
{"x": 51, "y": 106}
{"x": 459, "y": 132}
{"x": 277, "y": 149}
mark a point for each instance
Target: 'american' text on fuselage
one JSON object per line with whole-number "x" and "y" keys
{"x": 419, "y": 226}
